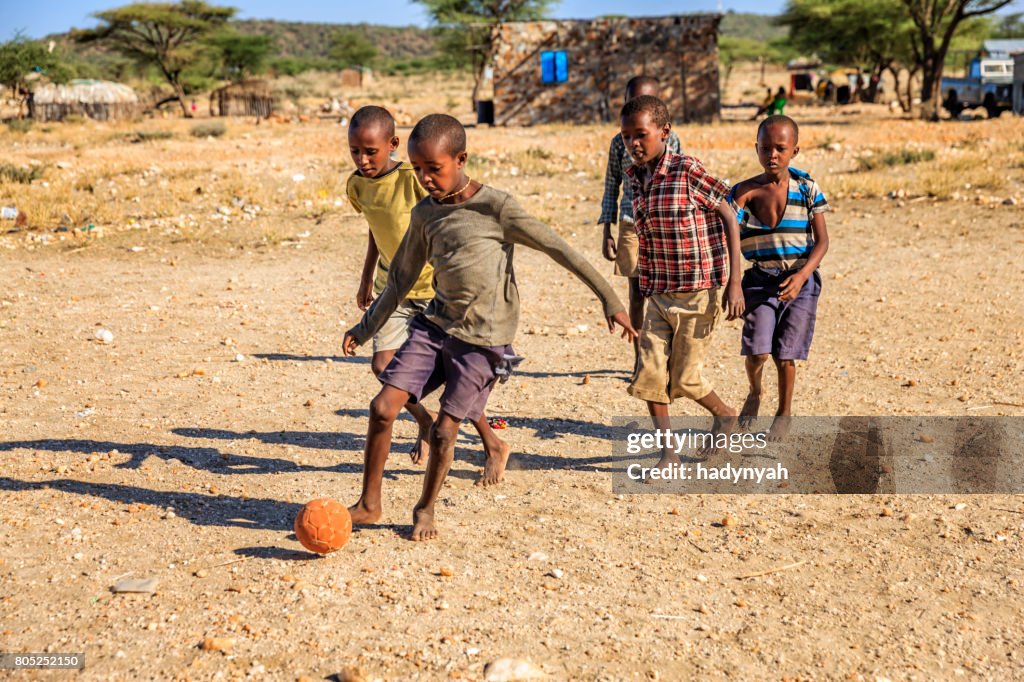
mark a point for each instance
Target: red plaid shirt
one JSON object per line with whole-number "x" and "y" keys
{"x": 682, "y": 239}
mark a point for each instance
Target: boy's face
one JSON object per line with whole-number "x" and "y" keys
{"x": 776, "y": 146}
{"x": 371, "y": 147}
{"x": 436, "y": 168}
{"x": 644, "y": 139}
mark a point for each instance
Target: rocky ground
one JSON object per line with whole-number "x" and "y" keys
{"x": 181, "y": 449}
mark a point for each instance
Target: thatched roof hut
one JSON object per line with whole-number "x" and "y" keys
{"x": 248, "y": 98}
{"x": 99, "y": 100}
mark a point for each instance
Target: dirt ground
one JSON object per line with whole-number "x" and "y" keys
{"x": 182, "y": 449}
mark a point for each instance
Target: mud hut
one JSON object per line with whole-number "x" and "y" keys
{"x": 99, "y": 100}
{"x": 575, "y": 71}
{"x": 248, "y": 98}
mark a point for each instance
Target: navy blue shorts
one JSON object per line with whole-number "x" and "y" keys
{"x": 771, "y": 326}
{"x": 431, "y": 358}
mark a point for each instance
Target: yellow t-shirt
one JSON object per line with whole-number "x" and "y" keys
{"x": 387, "y": 202}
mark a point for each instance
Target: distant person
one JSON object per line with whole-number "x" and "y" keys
{"x": 385, "y": 190}
{"x": 778, "y": 102}
{"x": 782, "y": 232}
{"x": 194, "y": 107}
{"x": 689, "y": 267}
{"x": 613, "y": 209}
{"x": 468, "y": 232}
{"x": 765, "y": 105}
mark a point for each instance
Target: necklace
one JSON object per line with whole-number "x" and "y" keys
{"x": 456, "y": 193}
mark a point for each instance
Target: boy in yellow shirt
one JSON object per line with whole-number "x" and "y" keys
{"x": 384, "y": 191}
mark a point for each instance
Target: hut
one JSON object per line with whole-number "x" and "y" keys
{"x": 1018, "y": 84}
{"x": 99, "y": 100}
{"x": 247, "y": 98}
{"x": 576, "y": 70}
{"x": 356, "y": 77}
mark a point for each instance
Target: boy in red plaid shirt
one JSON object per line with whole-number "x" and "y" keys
{"x": 689, "y": 267}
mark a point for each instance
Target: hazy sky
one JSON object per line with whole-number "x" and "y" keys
{"x": 37, "y": 19}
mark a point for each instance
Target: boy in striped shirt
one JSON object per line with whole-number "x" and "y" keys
{"x": 782, "y": 232}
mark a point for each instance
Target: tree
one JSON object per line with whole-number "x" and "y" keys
{"x": 20, "y": 58}
{"x": 870, "y": 34}
{"x": 471, "y": 27}
{"x": 240, "y": 55}
{"x": 171, "y": 36}
{"x": 937, "y": 22}
{"x": 349, "y": 48}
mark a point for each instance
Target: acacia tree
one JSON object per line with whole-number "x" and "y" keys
{"x": 871, "y": 34}
{"x": 350, "y": 48}
{"x": 20, "y": 58}
{"x": 937, "y": 22}
{"x": 170, "y": 36}
{"x": 471, "y": 27}
{"x": 241, "y": 55}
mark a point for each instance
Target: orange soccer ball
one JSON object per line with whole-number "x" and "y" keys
{"x": 323, "y": 525}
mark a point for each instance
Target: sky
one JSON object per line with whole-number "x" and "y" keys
{"x": 37, "y": 19}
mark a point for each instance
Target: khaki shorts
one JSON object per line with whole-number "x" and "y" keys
{"x": 627, "y": 250}
{"x": 673, "y": 342}
{"x": 396, "y": 330}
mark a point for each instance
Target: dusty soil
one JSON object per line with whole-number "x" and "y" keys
{"x": 163, "y": 454}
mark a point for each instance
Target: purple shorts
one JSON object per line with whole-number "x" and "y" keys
{"x": 782, "y": 329}
{"x": 431, "y": 358}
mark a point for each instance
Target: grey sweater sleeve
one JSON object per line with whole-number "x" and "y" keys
{"x": 403, "y": 272}
{"x": 522, "y": 228}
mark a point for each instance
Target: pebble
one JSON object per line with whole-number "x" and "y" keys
{"x": 701, "y": 578}
{"x": 239, "y": 358}
{"x": 556, "y": 573}
{"x": 512, "y": 669}
{"x": 446, "y": 571}
{"x": 886, "y": 512}
{"x": 959, "y": 506}
{"x": 729, "y": 521}
{"x": 222, "y": 644}
{"x": 141, "y": 585}
{"x": 351, "y": 674}
{"x": 538, "y": 556}
{"x": 104, "y": 335}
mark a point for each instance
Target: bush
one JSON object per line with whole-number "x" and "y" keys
{"x": 19, "y": 125}
{"x": 24, "y": 176}
{"x": 212, "y": 129}
{"x": 903, "y": 157}
{"x": 74, "y": 119}
{"x": 150, "y": 136}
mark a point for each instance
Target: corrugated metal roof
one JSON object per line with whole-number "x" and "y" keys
{"x": 1003, "y": 49}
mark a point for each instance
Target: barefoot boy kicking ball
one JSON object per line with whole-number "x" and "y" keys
{"x": 782, "y": 231}
{"x": 467, "y": 231}
{"x": 689, "y": 267}
{"x": 384, "y": 191}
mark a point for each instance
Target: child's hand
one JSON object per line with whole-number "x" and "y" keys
{"x": 349, "y": 344}
{"x": 608, "y": 247}
{"x": 733, "y": 303}
{"x": 790, "y": 287}
{"x": 622, "y": 319}
{"x": 364, "y": 297}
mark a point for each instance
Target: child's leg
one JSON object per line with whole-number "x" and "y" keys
{"x": 497, "y": 452}
{"x": 754, "y": 366}
{"x": 424, "y": 418}
{"x": 783, "y": 416}
{"x": 383, "y": 410}
{"x": 662, "y": 422}
{"x": 442, "y": 452}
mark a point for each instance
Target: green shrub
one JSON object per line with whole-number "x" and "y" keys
{"x": 19, "y": 125}
{"x": 903, "y": 157}
{"x": 211, "y": 129}
{"x": 24, "y": 176}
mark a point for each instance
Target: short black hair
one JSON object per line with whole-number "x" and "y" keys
{"x": 779, "y": 120}
{"x": 442, "y": 129}
{"x": 370, "y": 116}
{"x": 646, "y": 103}
{"x": 641, "y": 82}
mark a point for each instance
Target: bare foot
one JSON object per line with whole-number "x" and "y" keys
{"x": 748, "y": 413}
{"x": 723, "y": 424}
{"x": 423, "y": 525}
{"x": 361, "y": 513}
{"x": 422, "y": 446}
{"x": 494, "y": 467}
{"x": 667, "y": 461}
{"x": 780, "y": 428}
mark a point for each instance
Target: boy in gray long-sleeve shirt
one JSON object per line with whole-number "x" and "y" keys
{"x": 467, "y": 232}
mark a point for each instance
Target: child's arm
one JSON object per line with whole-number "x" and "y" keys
{"x": 364, "y": 296}
{"x": 733, "y": 302}
{"x": 790, "y": 287}
{"x": 405, "y": 269}
{"x": 522, "y": 228}
{"x": 610, "y": 200}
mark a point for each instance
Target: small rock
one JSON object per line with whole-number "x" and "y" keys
{"x": 351, "y": 674}
{"x": 201, "y": 573}
{"x": 885, "y": 512}
{"x": 925, "y": 438}
{"x": 1009, "y": 201}
{"x": 104, "y": 335}
{"x": 729, "y": 521}
{"x": 701, "y": 578}
{"x": 538, "y": 556}
{"x": 512, "y": 670}
{"x": 556, "y": 573}
{"x": 41, "y": 383}
{"x": 239, "y": 358}
{"x": 446, "y": 571}
{"x": 959, "y": 506}
{"x": 140, "y": 585}
{"x": 221, "y": 644}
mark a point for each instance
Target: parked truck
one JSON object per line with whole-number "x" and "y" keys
{"x": 989, "y": 84}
